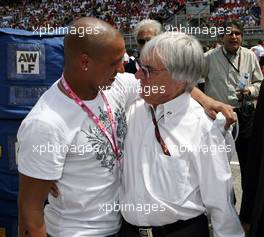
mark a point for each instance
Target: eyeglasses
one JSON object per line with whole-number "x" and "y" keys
{"x": 147, "y": 70}
{"x": 236, "y": 33}
{"x": 142, "y": 41}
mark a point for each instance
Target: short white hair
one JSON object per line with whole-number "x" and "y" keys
{"x": 181, "y": 54}
{"x": 148, "y": 23}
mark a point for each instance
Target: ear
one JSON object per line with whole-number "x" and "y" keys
{"x": 84, "y": 62}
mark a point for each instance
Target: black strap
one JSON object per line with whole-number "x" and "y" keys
{"x": 157, "y": 134}
{"x": 239, "y": 58}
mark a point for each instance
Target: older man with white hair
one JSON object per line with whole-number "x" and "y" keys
{"x": 176, "y": 169}
{"x": 144, "y": 31}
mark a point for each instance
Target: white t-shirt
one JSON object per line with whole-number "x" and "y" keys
{"x": 57, "y": 141}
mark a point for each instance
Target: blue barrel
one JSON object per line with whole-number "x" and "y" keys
{"x": 8, "y": 227}
{"x": 29, "y": 65}
{"x": 8, "y": 172}
{"x": 8, "y": 164}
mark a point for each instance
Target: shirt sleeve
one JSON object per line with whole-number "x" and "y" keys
{"x": 216, "y": 185}
{"x": 127, "y": 87}
{"x": 41, "y": 150}
{"x": 257, "y": 77}
{"x": 219, "y": 124}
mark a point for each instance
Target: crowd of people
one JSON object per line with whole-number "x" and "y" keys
{"x": 247, "y": 12}
{"x": 124, "y": 15}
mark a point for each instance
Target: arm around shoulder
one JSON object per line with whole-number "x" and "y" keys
{"x": 212, "y": 107}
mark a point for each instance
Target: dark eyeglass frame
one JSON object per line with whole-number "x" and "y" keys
{"x": 236, "y": 33}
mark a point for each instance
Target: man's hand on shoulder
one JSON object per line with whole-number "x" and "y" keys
{"x": 212, "y": 107}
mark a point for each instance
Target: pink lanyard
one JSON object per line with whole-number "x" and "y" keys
{"x": 112, "y": 138}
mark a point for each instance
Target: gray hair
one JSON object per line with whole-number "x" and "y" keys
{"x": 181, "y": 54}
{"x": 147, "y": 23}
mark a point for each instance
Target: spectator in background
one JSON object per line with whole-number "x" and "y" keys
{"x": 225, "y": 67}
{"x": 144, "y": 31}
{"x": 248, "y": 13}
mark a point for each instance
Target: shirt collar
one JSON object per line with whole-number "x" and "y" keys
{"x": 236, "y": 54}
{"x": 173, "y": 107}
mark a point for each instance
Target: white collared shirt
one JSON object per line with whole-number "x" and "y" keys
{"x": 158, "y": 189}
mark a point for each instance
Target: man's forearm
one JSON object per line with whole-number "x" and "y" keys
{"x": 31, "y": 223}
{"x": 32, "y": 195}
{"x": 199, "y": 96}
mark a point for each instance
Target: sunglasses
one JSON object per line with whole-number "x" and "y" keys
{"x": 142, "y": 41}
{"x": 236, "y": 33}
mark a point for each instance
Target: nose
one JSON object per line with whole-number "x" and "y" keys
{"x": 139, "y": 74}
{"x": 233, "y": 35}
